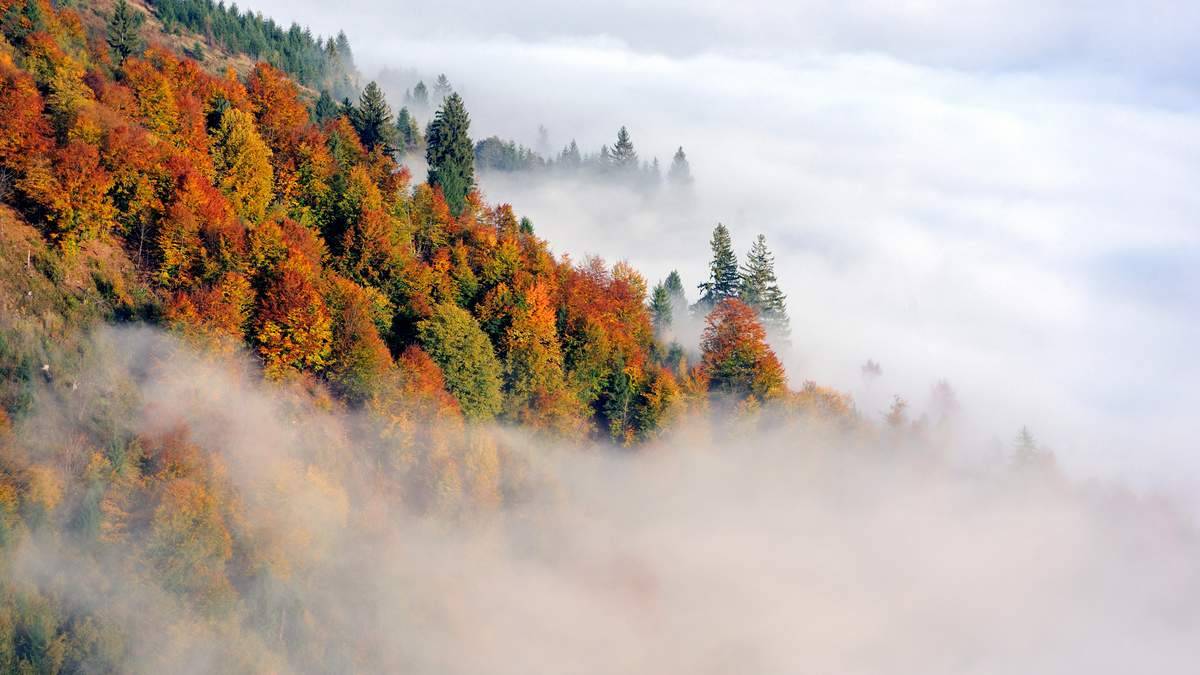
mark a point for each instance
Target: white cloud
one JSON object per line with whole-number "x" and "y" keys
{"x": 955, "y": 192}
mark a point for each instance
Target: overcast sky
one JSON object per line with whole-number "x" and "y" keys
{"x": 1002, "y": 194}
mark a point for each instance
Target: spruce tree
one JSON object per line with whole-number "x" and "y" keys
{"x": 373, "y": 118}
{"x": 408, "y": 136}
{"x": 723, "y": 278}
{"x": 124, "y": 31}
{"x": 680, "y": 173}
{"x": 441, "y": 88}
{"x": 571, "y": 156}
{"x": 325, "y": 109}
{"x": 674, "y": 287}
{"x": 420, "y": 95}
{"x": 660, "y": 307}
{"x": 450, "y": 153}
{"x": 622, "y": 156}
{"x": 760, "y": 288}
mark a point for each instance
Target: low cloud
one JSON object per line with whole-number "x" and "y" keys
{"x": 724, "y": 548}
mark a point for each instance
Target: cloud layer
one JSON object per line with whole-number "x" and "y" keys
{"x": 999, "y": 195}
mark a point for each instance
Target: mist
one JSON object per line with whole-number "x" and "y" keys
{"x": 776, "y": 545}
{"x": 953, "y": 194}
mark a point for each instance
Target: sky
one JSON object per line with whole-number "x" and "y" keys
{"x": 1000, "y": 194}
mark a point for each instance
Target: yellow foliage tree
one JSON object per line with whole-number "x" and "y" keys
{"x": 243, "y": 165}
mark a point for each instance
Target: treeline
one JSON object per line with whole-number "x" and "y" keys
{"x": 320, "y": 63}
{"x": 619, "y": 163}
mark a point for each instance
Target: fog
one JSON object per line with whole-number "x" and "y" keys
{"x": 794, "y": 548}
{"x": 999, "y": 194}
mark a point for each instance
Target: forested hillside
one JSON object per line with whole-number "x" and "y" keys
{"x": 240, "y": 215}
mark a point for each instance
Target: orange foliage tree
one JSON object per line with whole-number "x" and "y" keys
{"x": 735, "y": 354}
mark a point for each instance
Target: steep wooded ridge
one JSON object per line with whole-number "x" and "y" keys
{"x": 142, "y": 186}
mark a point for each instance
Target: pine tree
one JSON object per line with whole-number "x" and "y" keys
{"x": 680, "y": 173}
{"x": 441, "y": 88}
{"x": 325, "y": 109}
{"x": 420, "y": 96}
{"x": 760, "y": 288}
{"x": 373, "y": 118}
{"x": 674, "y": 287}
{"x": 622, "y": 156}
{"x": 723, "y": 278}
{"x": 660, "y": 307}
{"x": 124, "y": 36}
{"x": 570, "y": 156}
{"x": 408, "y": 136}
{"x": 450, "y": 153}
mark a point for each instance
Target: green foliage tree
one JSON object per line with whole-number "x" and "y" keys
{"x": 760, "y": 288}
{"x": 724, "y": 281}
{"x": 372, "y": 118}
{"x": 124, "y": 31}
{"x": 325, "y": 108}
{"x": 441, "y": 88}
{"x": 408, "y": 135}
{"x": 660, "y": 307}
{"x": 680, "y": 173}
{"x": 453, "y": 338}
{"x": 313, "y": 61}
{"x": 674, "y": 286}
{"x": 450, "y": 153}
{"x": 622, "y": 156}
{"x": 420, "y": 96}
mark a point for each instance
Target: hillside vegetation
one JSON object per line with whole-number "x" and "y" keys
{"x": 242, "y": 216}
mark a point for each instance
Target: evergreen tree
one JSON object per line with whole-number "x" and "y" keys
{"x": 674, "y": 287}
{"x": 660, "y": 307}
{"x": 723, "y": 278}
{"x": 408, "y": 136}
{"x": 760, "y": 288}
{"x": 420, "y": 96}
{"x": 571, "y": 156}
{"x": 373, "y": 118}
{"x": 622, "y": 156}
{"x": 450, "y": 153}
{"x": 441, "y": 88}
{"x": 680, "y": 173}
{"x": 124, "y": 31}
{"x": 325, "y": 109}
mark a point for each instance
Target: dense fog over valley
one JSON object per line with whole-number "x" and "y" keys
{"x": 540, "y": 338}
{"x": 956, "y": 195}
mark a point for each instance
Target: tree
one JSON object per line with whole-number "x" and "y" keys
{"x": 373, "y": 118}
{"x": 450, "y": 153}
{"x": 325, "y": 108}
{"x": 760, "y": 288}
{"x": 124, "y": 31}
{"x": 674, "y": 286}
{"x": 441, "y": 88}
{"x": 660, "y": 307}
{"x": 454, "y": 340}
{"x": 243, "y": 164}
{"x": 420, "y": 96}
{"x": 622, "y": 156}
{"x": 735, "y": 355}
{"x": 680, "y": 173}
{"x": 408, "y": 136}
{"x": 723, "y": 278}
{"x": 570, "y": 156}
